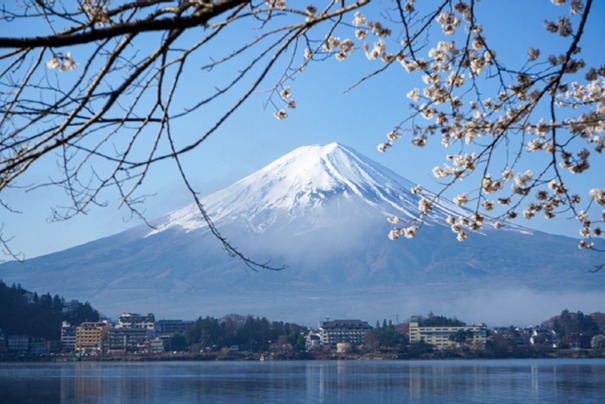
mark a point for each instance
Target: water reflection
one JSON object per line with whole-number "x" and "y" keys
{"x": 16, "y": 384}
{"x": 448, "y": 379}
{"x": 531, "y": 381}
{"x": 535, "y": 381}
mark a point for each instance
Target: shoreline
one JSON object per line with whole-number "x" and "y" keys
{"x": 255, "y": 356}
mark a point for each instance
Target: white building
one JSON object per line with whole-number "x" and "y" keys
{"x": 134, "y": 320}
{"x": 439, "y": 336}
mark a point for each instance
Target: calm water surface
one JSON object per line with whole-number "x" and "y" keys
{"x": 492, "y": 381}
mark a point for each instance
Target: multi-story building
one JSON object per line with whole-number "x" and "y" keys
{"x": 123, "y": 340}
{"x": 18, "y": 344}
{"x": 335, "y": 331}
{"x": 439, "y": 336}
{"x": 90, "y": 336}
{"x": 169, "y": 327}
{"x": 37, "y": 346}
{"x": 68, "y": 337}
{"x": 134, "y": 320}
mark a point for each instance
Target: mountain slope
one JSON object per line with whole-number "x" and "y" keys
{"x": 321, "y": 210}
{"x": 301, "y": 183}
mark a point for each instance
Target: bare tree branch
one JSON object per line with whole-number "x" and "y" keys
{"x": 107, "y": 116}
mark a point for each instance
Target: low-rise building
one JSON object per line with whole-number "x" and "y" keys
{"x": 540, "y": 335}
{"x": 312, "y": 341}
{"x": 344, "y": 347}
{"x": 157, "y": 345}
{"x": 90, "y": 337}
{"x": 335, "y": 331}
{"x": 439, "y": 336}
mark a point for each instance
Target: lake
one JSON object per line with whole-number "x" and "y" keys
{"x": 481, "y": 381}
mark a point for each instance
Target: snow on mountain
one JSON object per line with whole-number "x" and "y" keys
{"x": 301, "y": 182}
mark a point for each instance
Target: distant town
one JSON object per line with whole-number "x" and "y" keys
{"x": 43, "y": 327}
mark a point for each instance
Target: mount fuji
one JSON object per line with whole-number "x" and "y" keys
{"x": 321, "y": 210}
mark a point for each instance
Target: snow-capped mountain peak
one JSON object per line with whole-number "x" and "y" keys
{"x": 300, "y": 182}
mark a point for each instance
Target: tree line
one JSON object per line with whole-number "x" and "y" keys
{"x": 433, "y": 320}
{"x": 247, "y": 333}
{"x": 26, "y": 313}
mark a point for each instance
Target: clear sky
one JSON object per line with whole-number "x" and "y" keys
{"x": 253, "y": 138}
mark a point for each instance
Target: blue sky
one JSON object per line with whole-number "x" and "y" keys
{"x": 252, "y": 137}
